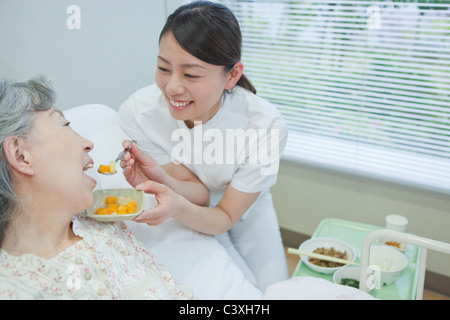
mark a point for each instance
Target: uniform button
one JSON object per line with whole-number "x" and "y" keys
{"x": 88, "y": 276}
{"x": 78, "y": 260}
{"x": 66, "y": 255}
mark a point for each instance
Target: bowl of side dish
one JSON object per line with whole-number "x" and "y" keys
{"x": 328, "y": 246}
{"x": 347, "y": 277}
{"x": 395, "y": 244}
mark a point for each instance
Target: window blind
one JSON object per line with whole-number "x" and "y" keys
{"x": 363, "y": 85}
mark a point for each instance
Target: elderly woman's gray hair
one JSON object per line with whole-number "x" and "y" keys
{"x": 19, "y": 104}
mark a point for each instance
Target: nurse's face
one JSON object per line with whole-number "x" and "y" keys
{"x": 192, "y": 88}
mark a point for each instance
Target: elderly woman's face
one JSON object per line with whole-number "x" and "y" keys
{"x": 60, "y": 157}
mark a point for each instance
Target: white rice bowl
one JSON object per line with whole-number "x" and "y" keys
{"x": 391, "y": 262}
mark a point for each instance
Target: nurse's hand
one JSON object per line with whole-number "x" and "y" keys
{"x": 169, "y": 203}
{"x": 139, "y": 167}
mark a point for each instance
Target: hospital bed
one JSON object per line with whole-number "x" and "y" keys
{"x": 196, "y": 260}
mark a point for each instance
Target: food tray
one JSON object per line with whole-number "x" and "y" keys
{"x": 354, "y": 233}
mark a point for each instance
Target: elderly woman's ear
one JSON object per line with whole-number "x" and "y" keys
{"x": 18, "y": 157}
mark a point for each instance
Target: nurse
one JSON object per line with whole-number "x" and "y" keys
{"x": 202, "y": 120}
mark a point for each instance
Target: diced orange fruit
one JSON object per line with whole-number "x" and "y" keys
{"x": 107, "y": 169}
{"x": 101, "y": 211}
{"x": 104, "y": 169}
{"x": 122, "y": 209}
{"x": 130, "y": 209}
{"x": 112, "y": 208}
{"x": 132, "y": 203}
{"x": 110, "y": 200}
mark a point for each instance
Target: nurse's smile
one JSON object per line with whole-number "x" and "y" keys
{"x": 179, "y": 105}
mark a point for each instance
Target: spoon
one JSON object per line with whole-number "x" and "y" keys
{"x": 125, "y": 151}
{"x": 111, "y": 168}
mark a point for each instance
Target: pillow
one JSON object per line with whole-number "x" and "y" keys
{"x": 196, "y": 260}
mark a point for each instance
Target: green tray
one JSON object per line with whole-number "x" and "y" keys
{"x": 354, "y": 233}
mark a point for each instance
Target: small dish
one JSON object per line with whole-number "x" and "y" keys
{"x": 315, "y": 243}
{"x": 351, "y": 274}
{"x": 143, "y": 201}
{"x": 395, "y": 244}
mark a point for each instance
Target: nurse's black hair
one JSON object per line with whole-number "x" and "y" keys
{"x": 210, "y": 32}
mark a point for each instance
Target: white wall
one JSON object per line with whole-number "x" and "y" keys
{"x": 306, "y": 195}
{"x": 110, "y": 56}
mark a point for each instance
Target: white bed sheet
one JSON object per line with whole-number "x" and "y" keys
{"x": 196, "y": 260}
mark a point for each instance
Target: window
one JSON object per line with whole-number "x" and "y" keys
{"x": 363, "y": 85}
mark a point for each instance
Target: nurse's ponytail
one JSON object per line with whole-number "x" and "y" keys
{"x": 246, "y": 84}
{"x": 210, "y": 32}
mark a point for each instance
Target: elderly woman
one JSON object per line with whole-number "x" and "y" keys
{"x": 49, "y": 250}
